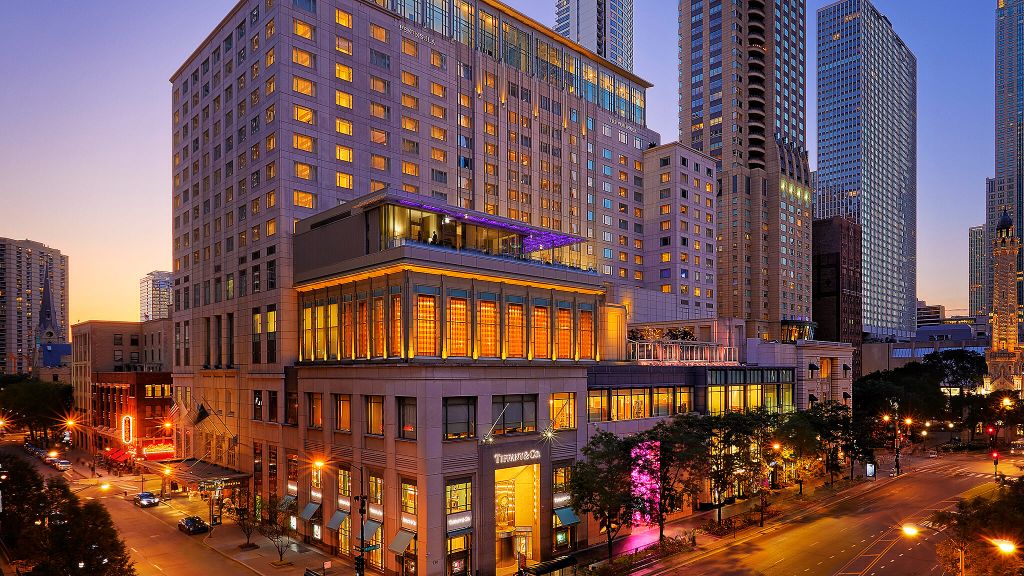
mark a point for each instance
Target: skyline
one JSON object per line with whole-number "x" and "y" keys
{"x": 147, "y": 47}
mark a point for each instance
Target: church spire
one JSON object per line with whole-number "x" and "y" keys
{"x": 48, "y": 327}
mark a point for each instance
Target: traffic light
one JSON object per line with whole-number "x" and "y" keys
{"x": 995, "y": 458}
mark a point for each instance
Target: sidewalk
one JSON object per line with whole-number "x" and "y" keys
{"x": 224, "y": 539}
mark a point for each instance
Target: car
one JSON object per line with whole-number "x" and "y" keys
{"x": 63, "y": 465}
{"x": 1017, "y": 447}
{"x": 146, "y": 499}
{"x": 51, "y": 460}
{"x": 933, "y": 453}
{"x": 193, "y": 525}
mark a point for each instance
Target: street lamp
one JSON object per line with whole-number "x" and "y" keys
{"x": 1004, "y": 546}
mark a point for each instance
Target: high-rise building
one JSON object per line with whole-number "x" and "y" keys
{"x": 25, "y": 267}
{"x": 1004, "y": 353}
{"x": 837, "y": 284}
{"x": 155, "y": 291}
{"x": 975, "y": 273}
{"x": 742, "y": 101}
{"x": 930, "y": 314}
{"x": 867, "y": 154}
{"x": 605, "y": 27}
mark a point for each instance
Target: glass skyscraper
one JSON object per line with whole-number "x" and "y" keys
{"x": 867, "y": 154}
{"x": 975, "y": 265}
{"x": 605, "y": 27}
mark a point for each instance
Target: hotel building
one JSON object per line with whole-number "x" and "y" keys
{"x": 742, "y": 98}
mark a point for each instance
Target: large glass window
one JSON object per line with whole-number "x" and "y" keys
{"x": 563, "y": 410}
{"x": 347, "y": 328}
{"x": 586, "y": 335}
{"x": 395, "y": 349}
{"x": 458, "y": 496}
{"x": 564, "y": 318}
{"x": 514, "y": 413}
{"x": 307, "y": 332}
{"x": 515, "y": 330}
{"x": 661, "y": 404}
{"x": 321, "y": 333}
{"x": 426, "y": 325}
{"x": 379, "y": 327}
{"x": 684, "y": 399}
{"x": 363, "y": 326}
{"x": 343, "y": 412}
{"x": 375, "y": 415}
{"x": 487, "y": 328}
{"x": 630, "y": 404}
{"x": 754, "y": 396}
{"x": 541, "y": 333}
{"x": 332, "y": 330}
{"x": 771, "y": 397}
{"x": 597, "y": 406}
{"x": 736, "y": 394}
{"x": 459, "y": 417}
{"x": 407, "y": 418}
{"x": 314, "y": 410}
{"x": 458, "y": 327}
{"x": 716, "y": 400}
{"x": 408, "y": 496}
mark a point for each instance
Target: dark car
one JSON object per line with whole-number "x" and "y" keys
{"x": 146, "y": 499}
{"x": 192, "y": 525}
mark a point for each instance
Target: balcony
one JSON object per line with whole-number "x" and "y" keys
{"x": 681, "y": 353}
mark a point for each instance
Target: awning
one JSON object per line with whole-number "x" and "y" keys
{"x": 309, "y": 511}
{"x": 370, "y": 528}
{"x": 401, "y": 541}
{"x": 551, "y": 565}
{"x": 812, "y": 366}
{"x": 460, "y": 532}
{"x": 113, "y": 454}
{"x": 566, "y": 516}
{"x": 336, "y": 519}
{"x": 122, "y": 456}
{"x": 846, "y": 367}
{"x": 286, "y": 503}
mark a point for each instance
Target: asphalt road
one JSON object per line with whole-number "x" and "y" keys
{"x": 156, "y": 545}
{"x": 857, "y": 536}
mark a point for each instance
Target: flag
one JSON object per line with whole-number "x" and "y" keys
{"x": 174, "y": 411}
{"x": 201, "y": 414}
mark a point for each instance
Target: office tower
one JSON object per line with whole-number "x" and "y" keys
{"x": 1004, "y": 353}
{"x": 605, "y": 27}
{"x": 155, "y": 295}
{"x": 975, "y": 271}
{"x": 837, "y": 284}
{"x": 744, "y": 105}
{"x": 867, "y": 154}
{"x": 25, "y": 267}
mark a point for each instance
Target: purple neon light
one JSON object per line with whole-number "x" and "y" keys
{"x": 644, "y": 478}
{"x": 534, "y": 239}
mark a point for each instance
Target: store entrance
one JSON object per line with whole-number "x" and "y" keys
{"x": 517, "y": 518}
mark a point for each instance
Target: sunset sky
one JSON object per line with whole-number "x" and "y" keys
{"x": 85, "y": 129}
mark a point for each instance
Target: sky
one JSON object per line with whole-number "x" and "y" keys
{"x": 85, "y": 128}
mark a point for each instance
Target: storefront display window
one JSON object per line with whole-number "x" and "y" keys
{"x": 630, "y": 404}
{"x": 563, "y": 410}
{"x": 458, "y": 558}
{"x": 597, "y": 406}
{"x": 459, "y": 496}
{"x": 408, "y": 496}
{"x": 661, "y": 404}
{"x": 684, "y": 399}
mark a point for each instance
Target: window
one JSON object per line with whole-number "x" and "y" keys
{"x": 343, "y": 180}
{"x": 257, "y": 405}
{"x": 342, "y": 126}
{"x": 684, "y": 400}
{"x": 564, "y": 333}
{"x": 458, "y": 327}
{"x": 314, "y": 410}
{"x": 378, "y": 33}
{"x": 304, "y": 115}
{"x": 343, "y": 45}
{"x": 410, "y": 169}
{"x": 342, "y": 153}
{"x": 459, "y": 496}
{"x": 459, "y": 417}
{"x": 396, "y": 327}
{"x": 305, "y": 171}
{"x": 304, "y": 199}
{"x": 343, "y": 18}
{"x": 302, "y": 142}
{"x": 342, "y": 412}
{"x": 662, "y": 402}
{"x": 487, "y": 327}
{"x": 375, "y": 494}
{"x": 409, "y": 47}
{"x": 563, "y": 410}
{"x": 408, "y": 496}
{"x": 560, "y": 478}
{"x": 272, "y": 409}
{"x": 586, "y": 335}
{"x": 629, "y": 404}
{"x": 302, "y": 29}
{"x": 375, "y": 415}
{"x": 302, "y": 58}
{"x": 514, "y": 413}
{"x": 343, "y": 72}
{"x": 541, "y": 332}
{"x": 426, "y": 325}
{"x": 303, "y": 86}
{"x": 597, "y": 406}
{"x": 407, "y": 418}
{"x": 515, "y": 331}
{"x": 342, "y": 98}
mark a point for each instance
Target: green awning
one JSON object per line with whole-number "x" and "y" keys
{"x": 566, "y": 516}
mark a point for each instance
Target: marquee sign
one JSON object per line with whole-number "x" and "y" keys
{"x": 126, "y": 429}
{"x": 514, "y": 457}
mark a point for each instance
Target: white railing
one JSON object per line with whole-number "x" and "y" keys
{"x": 681, "y": 352}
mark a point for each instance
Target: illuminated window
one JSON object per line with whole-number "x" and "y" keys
{"x": 332, "y": 330}
{"x": 378, "y": 162}
{"x": 438, "y": 111}
{"x": 684, "y": 399}
{"x": 586, "y": 335}
{"x": 378, "y": 137}
{"x": 598, "y": 409}
{"x": 271, "y": 226}
{"x": 410, "y": 101}
{"x": 564, "y": 333}
{"x": 629, "y": 404}
{"x": 374, "y": 419}
{"x": 343, "y": 18}
{"x": 459, "y": 495}
{"x": 379, "y": 328}
{"x": 343, "y": 180}
{"x": 302, "y": 142}
{"x": 315, "y": 418}
{"x": 342, "y": 422}
{"x": 342, "y": 72}
{"x": 716, "y": 400}
{"x": 458, "y": 327}
{"x": 307, "y": 333}
{"x": 409, "y": 47}
{"x": 343, "y": 153}
{"x": 304, "y": 171}
{"x": 515, "y": 331}
{"x": 304, "y": 115}
{"x": 410, "y": 169}
{"x": 342, "y": 126}
{"x": 343, "y": 99}
{"x": 408, "y": 496}
{"x": 438, "y": 154}
{"x": 363, "y": 330}
{"x": 346, "y": 330}
{"x": 426, "y": 325}
{"x": 410, "y": 124}
{"x": 563, "y": 410}
{"x": 343, "y": 45}
{"x": 437, "y": 90}
{"x": 407, "y": 418}
{"x": 661, "y": 404}
{"x": 302, "y": 29}
{"x": 321, "y": 333}
{"x": 396, "y": 326}
{"x": 541, "y": 332}
{"x": 410, "y": 79}
{"x": 302, "y": 85}
{"x": 302, "y": 58}
{"x": 487, "y": 326}
{"x": 378, "y": 33}
{"x": 736, "y": 397}
{"x": 438, "y": 133}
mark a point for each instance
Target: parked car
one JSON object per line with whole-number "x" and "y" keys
{"x": 63, "y": 465}
{"x": 1017, "y": 447}
{"x": 146, "y": 499}
{"x": 51, "y": 460}
{"x": 192, "y": 525}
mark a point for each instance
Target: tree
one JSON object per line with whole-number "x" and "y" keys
{"x": 763, "y": 456}
{"x": 833, "y": 428}
{"x": 958, "y": 368}
{"x": 274, "y": 527}
{"x": 681, "y": 467}
{"x": 38, "y": 405}
{"x": 600, "y": 484}
{"x": 247, "y": 514}
{"x": 731, "y": 437}
{"x": 974, "y": 523}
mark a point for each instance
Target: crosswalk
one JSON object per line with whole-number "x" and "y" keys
{"x": 1012, "y": 467}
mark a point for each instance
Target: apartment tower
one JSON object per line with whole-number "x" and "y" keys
{"x": 24, "y": 268}
{"x": 741, "y": 100}
{"x": 604, "y": 27}
{"x": 155, "y": 291}
{"x": 867, "y": 154}
{"x": 975, "y": 273}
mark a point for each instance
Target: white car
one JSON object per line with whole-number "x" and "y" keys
{"x": 62, "y": 465}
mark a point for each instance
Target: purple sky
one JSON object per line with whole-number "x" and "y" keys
{"x": 85, "y": 133}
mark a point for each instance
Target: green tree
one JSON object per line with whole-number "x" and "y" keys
{"x": 681, "y": 468}
{"x": 731, "y": 437}
{"x": 39, "y": 406}
{"x": 971, "y": 528}
{"x": 833, "y": 429}
{"x": 764, "y": 428}
{"x": 600, "y": 484}
{"x": 958, "y": 368}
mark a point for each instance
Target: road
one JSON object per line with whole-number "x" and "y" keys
{"x": 156, "y": 545}
{"x": 855, "y": 536}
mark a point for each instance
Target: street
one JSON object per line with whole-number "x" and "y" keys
{"x": 857, "y": 535}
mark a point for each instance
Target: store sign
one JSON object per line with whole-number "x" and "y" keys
{"x": 561, "y": 499}
{"x": 376, "y": 511}
{"x": 460, "y": 520}
{"x": 344, "y": 503}
{"x": 514, "y": 457}
{"x": 408, "y": 522}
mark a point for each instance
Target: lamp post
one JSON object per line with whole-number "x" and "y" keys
{"x": 1004, "y": 546}
{"x": 361, "y": 559}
